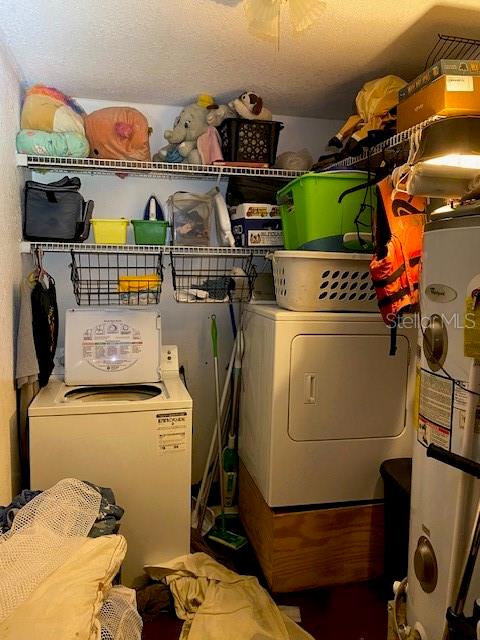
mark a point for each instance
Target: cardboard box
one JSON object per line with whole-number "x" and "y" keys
{"x": 447, "y": 96}
{"x": 440, "y": 68}
{"x": 254, "y": 210}
{"x": 256, "y": 225}
{"x": 251, "y": 233}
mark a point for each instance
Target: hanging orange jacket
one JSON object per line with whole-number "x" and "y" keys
{"x": 395, "y": 267}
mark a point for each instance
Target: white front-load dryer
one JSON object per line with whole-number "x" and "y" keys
{"x": 323, "y": 404}
{"x": 135, "y": 439}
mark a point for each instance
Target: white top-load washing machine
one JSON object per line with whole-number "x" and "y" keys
{"x": 123, "y": 420}
{"x": 323, "y": 404}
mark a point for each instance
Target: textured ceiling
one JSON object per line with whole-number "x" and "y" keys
{"x": 168, "y": 51}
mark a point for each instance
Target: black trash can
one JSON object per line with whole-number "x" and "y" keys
{"x": 397, "y": 479}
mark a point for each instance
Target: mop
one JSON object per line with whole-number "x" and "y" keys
{"x": 210, "y": 466}
{"x": 230, "y": 456}
{"x": 219, "y": 533}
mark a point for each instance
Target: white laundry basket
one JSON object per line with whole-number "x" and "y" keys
{"x": 323, "y": 281}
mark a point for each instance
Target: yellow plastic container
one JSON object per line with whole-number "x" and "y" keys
{"x": 110, "y": 231}
{"x": 139, "y": 283}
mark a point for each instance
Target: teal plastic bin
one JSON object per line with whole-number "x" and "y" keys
{"x": 314, "y": 220}
{"x": 150, "y": 231}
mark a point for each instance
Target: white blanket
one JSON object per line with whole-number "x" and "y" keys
{"x": 218, "y": 604}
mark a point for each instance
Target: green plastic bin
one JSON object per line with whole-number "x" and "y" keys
{"x": 314, "y": 220}
{"x": 150, "y": 231}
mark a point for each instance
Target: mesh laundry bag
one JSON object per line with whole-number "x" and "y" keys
{"x": 44, "y": 534}
{"x": 119, "y": 617}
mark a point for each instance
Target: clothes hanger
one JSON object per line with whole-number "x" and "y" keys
{"x": 39, "y": 273}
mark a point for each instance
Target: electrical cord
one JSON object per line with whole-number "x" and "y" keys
{"x": 357, "y": 222}
{"x": 181, "y": 371}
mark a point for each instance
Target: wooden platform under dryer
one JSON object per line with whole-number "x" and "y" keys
{"x": 312, "y": 547}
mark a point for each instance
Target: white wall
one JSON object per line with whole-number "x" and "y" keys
{"x": 187, "y": 325}
{"x": 10, "y": 272}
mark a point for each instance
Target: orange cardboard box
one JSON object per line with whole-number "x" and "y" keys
{"x": 447, "y": 96}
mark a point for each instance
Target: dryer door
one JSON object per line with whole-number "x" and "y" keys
{"x": 347, "y": 387}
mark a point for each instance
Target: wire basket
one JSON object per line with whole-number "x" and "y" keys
{"x": 212, "y": 278}
{"x": 116, "y": 278}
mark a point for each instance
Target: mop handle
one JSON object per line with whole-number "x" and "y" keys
{"x": 454, "y": 460}
{"x": 201, "y": 504}
{"x": 214, "y": 333}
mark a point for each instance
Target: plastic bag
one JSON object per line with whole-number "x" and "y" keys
{"x": 192, "y": 217}
{"x": 294, "y": 160}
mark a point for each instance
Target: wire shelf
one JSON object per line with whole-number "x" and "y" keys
{"x": 212, "y": 278}
{"x": 453, "y": 48}
{"x": 116, "y": 278}
{"x": 395, "y": 141}
{"x": 148, "y": 169}
{"x": 68, "y": 247}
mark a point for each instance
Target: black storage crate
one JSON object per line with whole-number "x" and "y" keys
{"x": 249, "y": 140}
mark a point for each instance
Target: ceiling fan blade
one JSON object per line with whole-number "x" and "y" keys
{"x": 303, "y": 13}
{"x": 262, "y": 16}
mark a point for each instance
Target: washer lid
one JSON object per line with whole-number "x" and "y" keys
{"x": 125, "y": 393}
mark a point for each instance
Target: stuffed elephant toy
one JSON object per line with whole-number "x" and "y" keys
{"x": 182, "y": 139}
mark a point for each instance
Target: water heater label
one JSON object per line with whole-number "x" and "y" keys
{"x": 436, "y": 410}
{"x": 112, "y": 345}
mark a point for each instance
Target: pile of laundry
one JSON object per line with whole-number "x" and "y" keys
{"x": 57, "y": 567}
{"x": 106, "y": 523}
{"x": 217, "y": 603}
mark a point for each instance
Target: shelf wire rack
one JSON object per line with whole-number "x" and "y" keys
{"x": 116, "y": 278}
{"x": 454, "y": 48}
{"x": 122, "y": 168}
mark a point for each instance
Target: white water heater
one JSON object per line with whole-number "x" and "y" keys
{"x": 450, "y": 274}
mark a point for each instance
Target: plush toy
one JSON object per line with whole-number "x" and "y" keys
{"x": 375, "y": 104}
{"x": 118, "y": 133}
{"x": 182, "y": 139}
{"x": 47, "y": 109}
{"x": 68, "y": 144}
{"x": 218, "y": 113}
{"x": 250, "y": 106}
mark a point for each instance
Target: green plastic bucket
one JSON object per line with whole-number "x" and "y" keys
{"x": 313, "y": 219}
{"x": 150, "y": 231}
